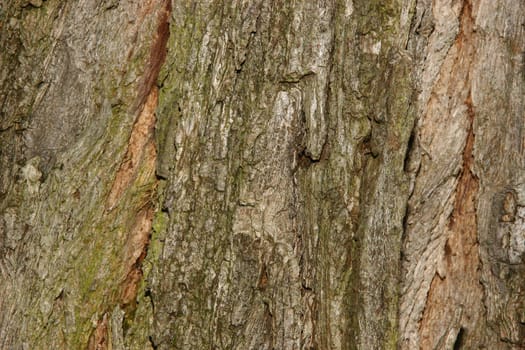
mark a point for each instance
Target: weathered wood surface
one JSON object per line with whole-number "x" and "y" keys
{"x": 262, "y": 174}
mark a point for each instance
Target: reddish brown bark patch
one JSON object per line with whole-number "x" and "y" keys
{"x": 137, "y": 170}
{"x": 138, "y": 166}
{"x": 147, "y": 100}
{"x": 140, "y": 146}
{"x": 135, "y": 253}
{"x": 454, "y": 306}
{"x": 99, "y": 339}
{"x": 157, "y": 54}
{"x": 454, "y": 301}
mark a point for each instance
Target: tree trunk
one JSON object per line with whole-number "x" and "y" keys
{"x": 262, "y": 174}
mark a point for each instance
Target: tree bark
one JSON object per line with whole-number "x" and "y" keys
{"x": 262, "y": 174}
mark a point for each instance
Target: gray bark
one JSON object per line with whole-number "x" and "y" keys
{"x": 262, "y": 174}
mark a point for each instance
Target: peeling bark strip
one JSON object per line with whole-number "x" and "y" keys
{"x": 140, "y": 146}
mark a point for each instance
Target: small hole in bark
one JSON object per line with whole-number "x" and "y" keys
{"x": 448, "y": 250}
{"x": 305, "y": 158}
{"x": 152, "y": 343}
{"x": 406, "y": 161}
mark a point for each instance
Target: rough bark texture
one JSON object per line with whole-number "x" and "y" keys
{"x": 462, "y": 276}
{"x": 262, "y": 174}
